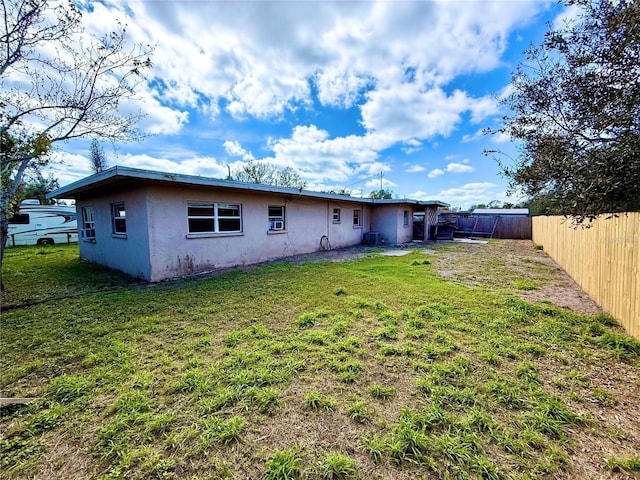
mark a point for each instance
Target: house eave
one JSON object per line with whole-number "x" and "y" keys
{"x": 119, "y": 174}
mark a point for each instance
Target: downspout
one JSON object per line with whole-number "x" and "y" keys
{"x": 328, "y": 212}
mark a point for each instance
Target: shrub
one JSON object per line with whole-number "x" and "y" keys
{"x": 359, "y": 411}
{"x": 316, "y": 401}
{"x": 283, "y": 465}
{"x": 381, "y": 392}
{"x": 337, "y": 466}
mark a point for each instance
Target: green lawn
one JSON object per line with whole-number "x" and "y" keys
{"x": 370, "y": 368}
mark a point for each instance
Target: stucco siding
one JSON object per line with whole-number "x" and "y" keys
{"x": 405, "y": 231}
{"x": 388, "y": 221}
{"x": 175, "y": 252}
{"x": 128, "y": 253}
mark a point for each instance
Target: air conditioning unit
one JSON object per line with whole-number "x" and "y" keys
{"x": 277, "y": 225}
{"x": 372, "y": 238}
{"x": 88, "y": 233}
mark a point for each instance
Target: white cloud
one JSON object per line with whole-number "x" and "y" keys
{"x": 373, "y": 183}
{"x": 459, "y": 168}
{"x": 161, "y": 120}
{"x": 204, "y": 166}
{"x": 232, "y": 147}
{"x": 482, "y": 108}
{"x": 568, "y": 16}
{"x": 421, "y": 195}
{"x": 320, "y": 158}
{"x": 415, "y": 145}
{"x": 69, "y": 167}
{"x": 479, "y": 134}
{"x": 465, "y": 195}
{"x": 408, "y": 112}
{"x": 500, "y": 137}
{"x": 339, "y": 89}
{"x": 415, "y": 169}
{"x": 259, "y": 58}
{"x": 468, "y": 194}
{"x": 391, "y": 62}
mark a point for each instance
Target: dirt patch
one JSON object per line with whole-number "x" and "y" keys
{"x": 497, "y": 264}
{"x": 509, "y": 264}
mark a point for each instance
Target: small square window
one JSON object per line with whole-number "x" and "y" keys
{"x": 336, "y": 215}
{"x": 357, "y": 218}
{"x": 276, "y": 218}
{"x": 119, "y": 218}
{"x": 88, "y": 230}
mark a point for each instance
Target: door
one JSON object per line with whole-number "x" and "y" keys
{"x": 418, "y": 226}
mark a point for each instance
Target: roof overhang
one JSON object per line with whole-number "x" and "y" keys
{"x": 121, "y": 176}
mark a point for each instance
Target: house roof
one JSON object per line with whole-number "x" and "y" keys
{"x": 501, "y": 211}
{"x": 119, "y": 175}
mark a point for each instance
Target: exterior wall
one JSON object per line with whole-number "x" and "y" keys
{"x": 388, "y": 220}
{"x": 128, "y": 253}
{"x": 174, "y": 252}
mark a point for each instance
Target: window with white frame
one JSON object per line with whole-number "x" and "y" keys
{"x": 357, "y": 218}
{"x": 88, "y": 230}
{"x": 336, "y": 215}
{"x": 118, "y": 218}
{"x": 214, "y": 217}
{"x": 276, "y": 218}
{"x": 405, "y": 218}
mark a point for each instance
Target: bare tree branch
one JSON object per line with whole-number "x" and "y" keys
{"x": 56, "y": 84}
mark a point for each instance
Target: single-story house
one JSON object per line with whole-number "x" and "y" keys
{"x": 156, "y": 225}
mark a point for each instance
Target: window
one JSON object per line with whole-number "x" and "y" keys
{"x": 214, "y": 218}
{"x": 276, "y": 218}
{"x": 20, "y": 219}
{"x": 357, "y": 218}
{"x": 336, "y": 215}
{"x": 405, "y": 218}
{"x": 118, "y": 218}
{"x": 88, "y": 231}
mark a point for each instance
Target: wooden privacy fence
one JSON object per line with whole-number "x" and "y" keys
{"x": 496, "y": 226}
{"x": 604, "y": 260}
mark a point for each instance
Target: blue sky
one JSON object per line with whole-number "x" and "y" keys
{"x": 340, "y": 91}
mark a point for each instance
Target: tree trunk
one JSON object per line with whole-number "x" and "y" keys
{"x": 5, "y": 198}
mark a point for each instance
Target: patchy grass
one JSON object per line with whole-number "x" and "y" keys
{"x": 371, "y": 368}
{"x": 40, "y": 273}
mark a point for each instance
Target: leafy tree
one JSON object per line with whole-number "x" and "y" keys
{"x": 542, "y": 205}
{"x": 343, "y": 191}
{"x": 37, "y": 186}
{"x": 382, "y": 194}
{"x": 255, "y": 172}
{"x": 259, "y": 171}
{"x": 288, "y": 177}
{"x": 576, "y": 110}
{"x": 477, "y": 205}
{"x": 96, "y": 157}
{"x": 57, "y": 84}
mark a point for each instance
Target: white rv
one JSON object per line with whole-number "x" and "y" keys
{"x": 36, "y": 224}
